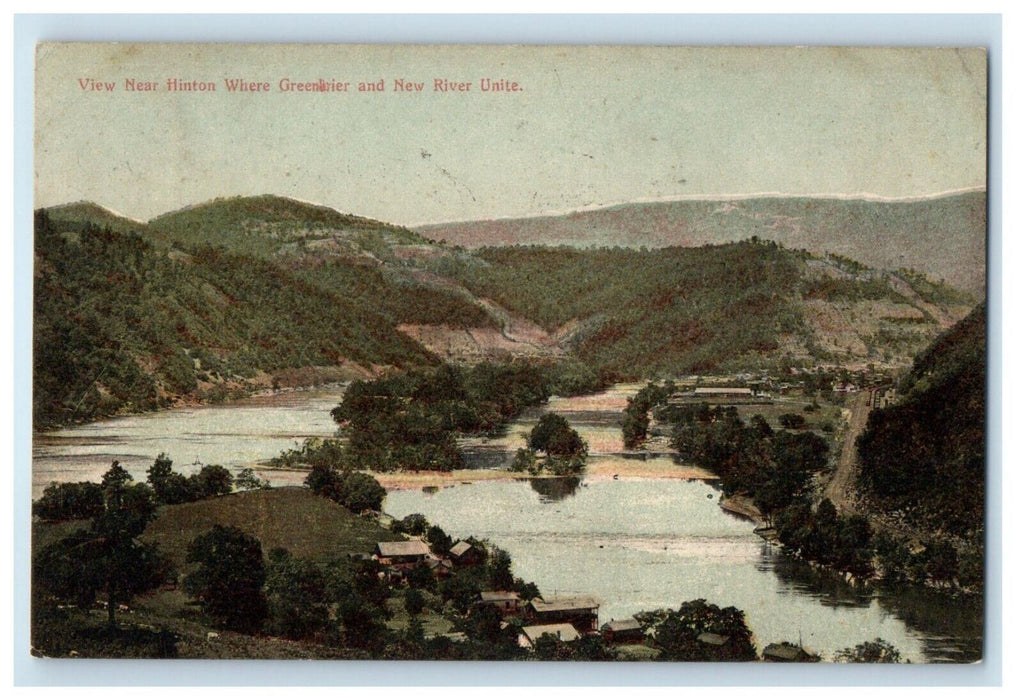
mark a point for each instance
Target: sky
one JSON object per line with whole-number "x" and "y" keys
{"x": 587, "y": 127}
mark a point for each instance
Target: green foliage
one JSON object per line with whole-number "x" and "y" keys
{"x": 925, "y": 456}
{"x": 414, "y": 524}
{"x": 553, "y": 435}
{"x": 844, "y": 543}
{"x": 677, "y": 633}
{"x": 409, "y": 421}
{"x": 876, "y": 652}
{"x": 648, "y": 312}
{"x": 110, "y": 306}
{"x": 297, "y": 601}
{"x": 69, "y": 501}
{"x": 248, "y": 480}
{"x": 792, "y": 421}
{"x": 108, "y": 557}
{"x": 228, "y": 583}
{"x": 354, "y": 490}
{"x": 212, "y": 480}
{"x": 414, "y": 601}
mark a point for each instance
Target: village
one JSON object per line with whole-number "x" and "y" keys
{"x": 561, "y": 621}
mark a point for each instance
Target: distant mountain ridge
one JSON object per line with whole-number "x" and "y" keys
{"x": 944, "y": 237}
{"x": 239, "y": 294}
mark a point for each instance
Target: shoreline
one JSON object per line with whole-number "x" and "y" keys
{"x": 397, "y": 481}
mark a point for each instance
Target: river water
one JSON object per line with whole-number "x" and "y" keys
{"x": 634, "y": 544}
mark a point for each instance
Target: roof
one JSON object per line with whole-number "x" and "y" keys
{"x": 564, "y": 604}
{"x": 403, "y": 549}
{"x": 434, "y": 563}
{"x": 563, "y": 631}
{"x": 786, "y": 650}
{"x": 498, "y": 596}
{"x": 715, "y": 640}
{"x": 460, "y": 548}
{"x": 712, "y": 390}
{"x": 629, "y": 624}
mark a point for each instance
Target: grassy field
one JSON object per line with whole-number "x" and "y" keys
{"x": 293, "y": 518}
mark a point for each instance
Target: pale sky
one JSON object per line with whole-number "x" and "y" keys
{"x": 590, "y": 126}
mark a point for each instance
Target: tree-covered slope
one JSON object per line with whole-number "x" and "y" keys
{"x": 925, "y": 456}
{"x": 943, "y": 237}
{"x": 637, "y": 313}
{"x": 123, "y": 325}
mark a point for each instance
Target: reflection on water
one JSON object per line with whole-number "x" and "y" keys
{"x": 635, "y": 544}
{"x": 641, "y": 545}
{"x": 557, "y": 489}
{"x": 234, "y": 435}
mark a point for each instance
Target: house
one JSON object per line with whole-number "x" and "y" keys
{"x": 712, "y": 640}
{"x": 564, "y": 632}
{"x": 441, "y": 568}
{"x": 785, "y": 652}
{"x": 722, "y": 392}
{"x": 402, "y": 555}
{"x": 465, "y": 554}
{"x": 623, "y": 631}
{"x": 581, "y": 612}
{"x": 508, "y": 603}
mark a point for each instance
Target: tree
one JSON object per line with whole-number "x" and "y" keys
{"x": 296, "y": 596}
{"x": 229, "y": 580}
{"x": 354, "y": 490}
{"x": 876, "y": 652}
{"x": 678, "y": 633}
{"x": 170, "y": 487}
{"x": 553, "y": 435}
{"x": 415, "y": 601}
{"x": 108, "y": 557}
{"x": 414, "y": 524}
{"x": 69, "y": 501}
{"x": 792, "y": 421}
{"x": 212, "y": 480}
{"x": 248, "y": 480}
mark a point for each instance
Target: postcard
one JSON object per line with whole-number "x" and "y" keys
{"x": 465, "y": 352}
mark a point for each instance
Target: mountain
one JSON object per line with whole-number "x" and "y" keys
{"x": 925, "y": 455}
{"x": 943, "y": 237}
{"x": 239, "y": 294}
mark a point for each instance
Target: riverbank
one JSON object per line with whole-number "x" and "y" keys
{"x": 599, "y": 471}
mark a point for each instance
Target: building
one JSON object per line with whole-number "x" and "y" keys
{"x": 465, "y": 554}
{"x": 402, "y": 555}
{"x": 722, "y": 392}
{"x": 508, "y": 603}
{"x": 564, "y": 632}
{"x": 786, "y": 652}
{"x": 627, "y": 631}
{"x": 580, "y": 612}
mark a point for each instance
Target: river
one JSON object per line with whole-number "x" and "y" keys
{"x": 633, "y": 543}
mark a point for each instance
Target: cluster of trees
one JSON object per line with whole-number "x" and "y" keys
{"x": 648, "y": 312}
{"x": 677, "y": 632}
{"x": 775, "y": 468}
{"x": 85, "y": 499}
{"x": 409, "y": 421}
{"x": 636, "y": 419}
{"x": 107, "y": 558}
{"x": 924, "y": 458}
{"x": 563, "y": 450}
{"x": 356, "y": 491}
{"x": 172, "y": 487}
{"x": 843, "y": 543}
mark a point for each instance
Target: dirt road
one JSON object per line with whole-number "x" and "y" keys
{"x": 843, "y": 481}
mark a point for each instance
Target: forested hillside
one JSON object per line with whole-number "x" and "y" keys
{"x": 925, "y": 456}
{"x": 232, "y": 295}
{"x": 122, "y": 325}
{"x": 943, "y": 237}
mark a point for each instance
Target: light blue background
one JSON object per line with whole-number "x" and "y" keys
{"x": 864, "y": 30}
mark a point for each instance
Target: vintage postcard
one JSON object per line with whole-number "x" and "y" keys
{"x": 509, "y": 353}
